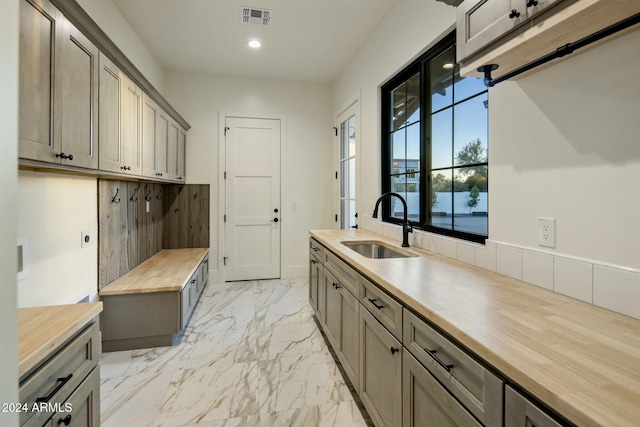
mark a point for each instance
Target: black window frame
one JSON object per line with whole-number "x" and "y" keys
{"x": 420, "y": 65}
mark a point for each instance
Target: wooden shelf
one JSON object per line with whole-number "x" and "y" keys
{"x": 578, "y": 20}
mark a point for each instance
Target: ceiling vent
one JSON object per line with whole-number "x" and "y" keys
{"x": 250, "y": 15}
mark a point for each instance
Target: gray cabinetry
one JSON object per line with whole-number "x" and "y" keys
{"x": 70, "y": 375}
{"x": 176, "y": 143}
{"x": 41, "y": 27}
{"x": 79, "y": 103}
{"x": 482, "y": 22}
{"x": 387, "y": 310}
{"x": 332, "y": 310}
{"x": 478, "y": 389}
{"x": 316, "y": 282}
{"x": 131, "y": 128}
{"x": 521, "y": 412}
{"x": 380, "y": 372}
{"x": 110, "y": 102}
{"x": 58, "y": 89}
{"x": 427, "y": 403}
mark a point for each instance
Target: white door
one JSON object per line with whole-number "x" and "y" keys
{"x": 347, "y": 147}
{"x": 252, "y": 199}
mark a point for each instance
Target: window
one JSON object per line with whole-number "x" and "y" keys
{"x": 435, "y": 146}
{"x": 347, "y": 149}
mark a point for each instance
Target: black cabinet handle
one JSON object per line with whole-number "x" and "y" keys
{"x": 514, "y": 14}
{"x": 275, "y": 220}
{"x": 65, "y": 156}
{"x": 126, "y": 168}
{"x": 532, "y": 3}
{"x": 373, "y": 301}
{"x": 316, "y": 249}
{"x": 193, "y": 281}
{"x": 61, "y": 382}
{"x": 355, "y": 226}
{"x": 432, "y": 353}
{"x": 313, "y": 261}
{"x": 336, "y": 285}
{"x": 66, "y": 420}
{"x": 394, "y": 350}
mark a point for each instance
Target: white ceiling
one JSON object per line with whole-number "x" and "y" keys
{"x": 308, "y": 40}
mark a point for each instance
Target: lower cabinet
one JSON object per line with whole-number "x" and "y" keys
{"x": 85, "y": 404}
{"x": 426, "y": 402}
{"x": 380, "y": 372}
{"x": 521, "y": 412}
{"x": 316, "y": 282}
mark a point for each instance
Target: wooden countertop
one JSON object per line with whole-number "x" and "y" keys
{"x": 41, "y": 330}
{"x": 580, "y": 360}
{"x": 167, "y": 271}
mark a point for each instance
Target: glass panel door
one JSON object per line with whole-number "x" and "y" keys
{"x": 347, "y": 170}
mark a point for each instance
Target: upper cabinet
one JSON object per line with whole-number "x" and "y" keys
{"x": 58, "y": 89}
{"x": 79, "y": 99}
{"x": 514, "y": 33}
{"x": 79, "y": 107}
{"x": 481, "y": 22}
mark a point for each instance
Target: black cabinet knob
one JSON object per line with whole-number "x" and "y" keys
{"x": 276, "y": 210}
{"x": 394, "y": 350}
{"x": 275, "y": 220}
{"x": 514, "y": 14}
{"x": 532, "y": 3}
{"x": 65, "y": 156}
{"x": 66, "y": 420}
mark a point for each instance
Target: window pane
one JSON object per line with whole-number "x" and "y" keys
{"x": 471, "y": 132}
{"x": 352, "y": 135}
{"x": 441, "y": 71}
{"x": 344, "y": 178}
{"x": 413, "y": 99}
{"x": 352, "y": 213}
{"x": 441, "y": 139}
{"x": 398, "y": 154}
{"x": 398, "y": 106}
{"x": 413, "y": 196}
{"x": 398, "y": 185}
{"x": 413, "y": 146}
{"x": 352, "y": 179}
{"x": 441, "y": 199}
{"x": 344, "y": 214}
{"x": 344, "y": 138}
{"x": 465, "y": 87}
{"x": 470, "y": 201}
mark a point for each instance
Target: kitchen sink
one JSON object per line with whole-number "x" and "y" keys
{"x": 377, "y": 250}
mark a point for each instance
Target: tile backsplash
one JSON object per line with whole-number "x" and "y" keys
{"x": 615, "y": 288}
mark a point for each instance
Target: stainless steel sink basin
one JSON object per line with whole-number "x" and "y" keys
{"x": 377, "y": 250}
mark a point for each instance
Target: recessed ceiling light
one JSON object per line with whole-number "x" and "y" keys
{"x": 254, "y": 43}
{"x": 448, "y": 66}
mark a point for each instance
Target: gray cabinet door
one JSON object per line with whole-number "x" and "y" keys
{"x": 521, "y": 412}
{"x": 41, "y": 27}
{"x": 333, "y": 309}
{"x": 481, "y": 22}
{"x": 79, "y": 103}
{"x": 131, "y": 128}
{"x": 162, "y": 145}
{"x": 85, "y": 404}
{"x": 314, "y": 273}
{"x": 181, "y": 155}
{"x": 110, "y": 101}
{"x": 172, "y": 143}
{"x": 380, "y": 372}
{"x": 426, "y": 402}
{"x": 150, "y": 137}
{"x": 349, "y": 335}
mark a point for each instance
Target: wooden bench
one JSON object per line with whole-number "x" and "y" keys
{"x": 151, "y": 305}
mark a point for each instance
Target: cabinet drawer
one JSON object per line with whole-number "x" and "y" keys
{"x": 53, "y": 382}
{"x": 521, "y": 412}
{"x": 345, "y": 274}
{"x": 84, "y": 404}
{"x": 387, "y": 310}
{"x": 479, "y": 390}
{"x": 317, "y": 249}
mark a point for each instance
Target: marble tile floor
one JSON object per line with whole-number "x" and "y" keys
{"x": 252, "y": 355}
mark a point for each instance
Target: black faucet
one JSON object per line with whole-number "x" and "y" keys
{"x": 406, "y": 228}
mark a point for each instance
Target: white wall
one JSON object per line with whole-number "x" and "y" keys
{"x": 309, "y": 134}
{"x": 564, "y": 143}
{"x": 110, "y": 20}
{"x": 53, "y": 210}
{"x": 8, "y": 199}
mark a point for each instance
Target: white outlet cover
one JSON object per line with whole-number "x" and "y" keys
{"x": 547, "y": 232}
{"x": 86, "y": 239}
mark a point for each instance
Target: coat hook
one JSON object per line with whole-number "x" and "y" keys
{"x": 147, "y": 196}
{"x": 113, "y": 200}
{"x": 133, "y": 197}
{"x": 159, "y": 195}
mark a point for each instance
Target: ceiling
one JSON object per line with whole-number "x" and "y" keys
{"x": 307, "y": 40}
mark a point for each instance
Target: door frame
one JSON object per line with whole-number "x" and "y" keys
{"x": 222, "y": 156}
{"x": 352, "y": 105}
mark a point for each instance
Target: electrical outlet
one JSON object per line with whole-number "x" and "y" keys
{"x": 87, "y": 239}
{"x": 547, "y": 232}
